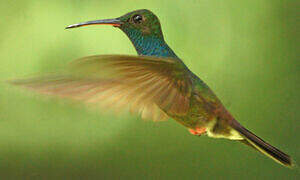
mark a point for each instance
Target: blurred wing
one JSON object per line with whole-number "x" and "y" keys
{"x": 152, "y": 87}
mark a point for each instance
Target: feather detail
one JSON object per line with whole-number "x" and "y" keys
{"x": 152, "y": 87}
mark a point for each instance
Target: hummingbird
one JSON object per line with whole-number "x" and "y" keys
{"x": 155, "y": 84}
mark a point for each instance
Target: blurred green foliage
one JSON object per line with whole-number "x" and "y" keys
{"x": 247, "y": 52}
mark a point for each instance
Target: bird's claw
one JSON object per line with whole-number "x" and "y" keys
{"x": 198, "y": 131}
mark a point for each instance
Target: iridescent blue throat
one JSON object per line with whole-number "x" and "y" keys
{"x": 149, "y": 45}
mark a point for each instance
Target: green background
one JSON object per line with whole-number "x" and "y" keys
{"x": 246, "y": 51}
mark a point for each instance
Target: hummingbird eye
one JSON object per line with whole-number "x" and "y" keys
{"x": 137, "y": 19}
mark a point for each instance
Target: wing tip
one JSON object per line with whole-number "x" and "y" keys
{"x": 18, "y": 82}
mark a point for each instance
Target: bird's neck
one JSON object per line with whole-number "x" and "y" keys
{"x": 150, "y": 45}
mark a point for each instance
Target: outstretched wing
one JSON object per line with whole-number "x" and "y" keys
{"x": 152, "y": 87}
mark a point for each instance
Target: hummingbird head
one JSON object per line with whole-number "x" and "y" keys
{"x": 142, "y": 22}
{"x": 143, "y": 29}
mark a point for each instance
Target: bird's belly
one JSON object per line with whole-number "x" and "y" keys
{"x": 198, "y": 115}
{"x": 216, "y": 124}
{"x": 192, "y": 120}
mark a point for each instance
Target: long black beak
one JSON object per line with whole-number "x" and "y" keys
{"x": 113, "y": 22}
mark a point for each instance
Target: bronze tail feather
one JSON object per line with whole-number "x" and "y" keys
{"x": 265, "y": 148}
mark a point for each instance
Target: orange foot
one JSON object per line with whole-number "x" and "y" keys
{"x": 198, "y": 131}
